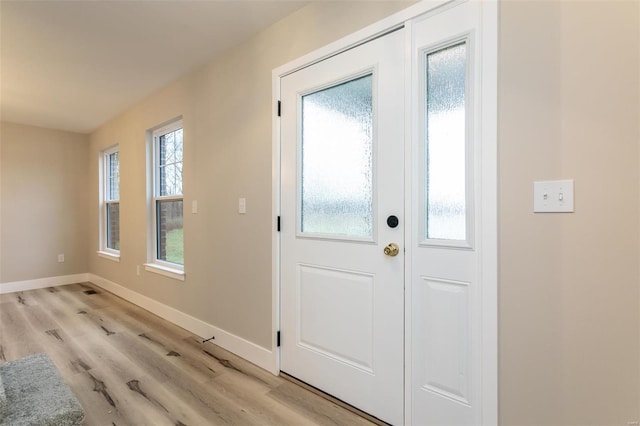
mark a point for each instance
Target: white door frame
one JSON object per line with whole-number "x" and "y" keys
{"x": 487, "y": 197}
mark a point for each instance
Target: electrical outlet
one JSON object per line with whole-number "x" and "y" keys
{"x": 61, "y": 258}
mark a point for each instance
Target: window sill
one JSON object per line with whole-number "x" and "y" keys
{"x": 176, "y": 274}
{"x": 112, "y": 257}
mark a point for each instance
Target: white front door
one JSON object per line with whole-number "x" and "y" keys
{"x": 399, "y": 337}
{"x": 342, "y": 177}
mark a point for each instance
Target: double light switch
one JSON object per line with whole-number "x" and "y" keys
{"x": 553, "y": 196}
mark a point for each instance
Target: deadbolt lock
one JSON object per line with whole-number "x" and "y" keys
{"x": 392, "y": 249}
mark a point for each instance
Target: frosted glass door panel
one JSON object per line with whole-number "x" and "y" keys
{"x": 445, "y": 143}
{"x": 337, "y": 160}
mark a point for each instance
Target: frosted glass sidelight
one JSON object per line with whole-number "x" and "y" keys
{"x": 445, "y": 209}
{"x": 337, "y": 160}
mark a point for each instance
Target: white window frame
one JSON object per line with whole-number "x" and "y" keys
{"x": 155, "y": 265}
{"x": 104, "y": 251}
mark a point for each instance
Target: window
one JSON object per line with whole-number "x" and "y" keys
{"x": 110, "y": 209}
{"x": 166, "y": 253}
{"x": 336, "y": 194}
{"x": 445, "y": 153}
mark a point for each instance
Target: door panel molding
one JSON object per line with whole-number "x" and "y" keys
{"x": 357, "y": 351}
{"x": 448, "y": 302}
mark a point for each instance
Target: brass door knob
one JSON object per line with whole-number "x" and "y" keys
{"x": 392, "y": 249}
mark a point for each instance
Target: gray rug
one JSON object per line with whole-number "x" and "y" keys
{"x": 37, "y": 395}
{"x": 3, "y": 400}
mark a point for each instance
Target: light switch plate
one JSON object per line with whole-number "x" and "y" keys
{"x": 553, "y": 196}
{"x": 194, "y": 206}
{"x": 242, "y": 205}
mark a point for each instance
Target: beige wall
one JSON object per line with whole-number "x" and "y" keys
{"x": 226, "y": 107}
{"x": 569, "y": 282}
{"x": 43, "y": 192}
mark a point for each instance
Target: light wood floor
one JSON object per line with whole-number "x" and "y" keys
{"x": 129, "y": 367}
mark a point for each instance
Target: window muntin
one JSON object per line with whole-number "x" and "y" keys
{"x": 111, "y": 201}
{"x": 167, "y": 202}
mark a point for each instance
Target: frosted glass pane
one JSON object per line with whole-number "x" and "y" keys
{"x": 445, "y": 144}
{"x": 337, "y": 160}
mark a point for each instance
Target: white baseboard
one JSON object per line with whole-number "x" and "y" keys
{"x": 250, "y": 351}
{"x": 12, "y": 287}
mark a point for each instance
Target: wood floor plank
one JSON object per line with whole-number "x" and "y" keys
{"x": 66, "y": 352}
{"x": 207, "y": 404}
{"x": 253, "y": 396}
{"x": 319, "y": 410}
{"x": 145, "y": 317}
{"x": 17, "y": 338}
{"x": 197, "y": 368}
{"x": 129, "y": 367}
{"x": 131, "y": 389}
{"x": 228, "y": 361}
{"x": 66, "y": 311}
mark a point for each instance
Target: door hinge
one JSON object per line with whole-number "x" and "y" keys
{"x": 279, "y": 108}
{"x": 278, "y": 224}
{"x": 278, "y": 339}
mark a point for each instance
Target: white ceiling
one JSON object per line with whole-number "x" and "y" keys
{"x": 73, "y": 65}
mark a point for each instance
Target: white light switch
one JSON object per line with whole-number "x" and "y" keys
{"x": 242, "y": 205}
{"x": 553, "y": 196}
{"x": 194, "y": 206}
